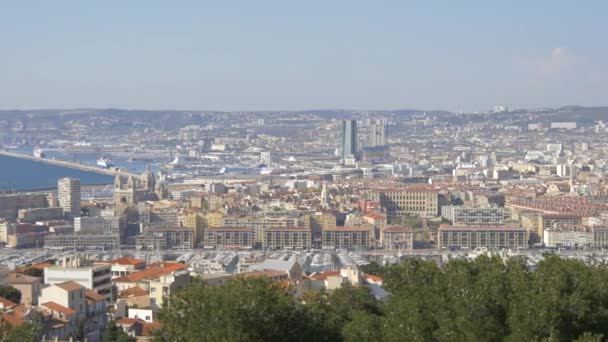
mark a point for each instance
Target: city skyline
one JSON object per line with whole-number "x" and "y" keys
{"x": 273, "y": 56}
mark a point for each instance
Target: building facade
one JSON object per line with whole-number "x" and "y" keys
{"x": 347, "y": 238}
{"x": 349, "y": 139}
{"x": 68, "y": 195}
{"x": 287, "y": 238}
{"x": 397, "y": 238}
{"x": 473, "y": 215}
{"x": 228, "y": 237}
{"x": 491, "y": 237}
{"x": 402, "y": 202}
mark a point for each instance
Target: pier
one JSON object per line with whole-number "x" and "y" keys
{"x": 71, "y": 165}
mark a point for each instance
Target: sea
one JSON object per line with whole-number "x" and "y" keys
{"x": 27, "y": 175}
{"x": 21, "y": 174}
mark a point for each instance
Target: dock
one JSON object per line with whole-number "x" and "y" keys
{"x": 71, "y": 165}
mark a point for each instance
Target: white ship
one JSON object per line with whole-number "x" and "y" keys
{"x": 104, "y": 162}
{"x": 38, "y": 153}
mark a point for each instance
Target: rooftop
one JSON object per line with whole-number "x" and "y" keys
{"x": 18, "y": 278}
{"x": 58, "y": 308}
{"x": 70, "y": 286}
{"x": 348, "y": 229}
{"x": 127, "y": 261}
{"x": 154, "y": 271}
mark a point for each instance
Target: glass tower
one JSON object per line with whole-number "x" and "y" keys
{"x": 349, "y": 138}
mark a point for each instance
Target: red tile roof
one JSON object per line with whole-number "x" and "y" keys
{"x": 7, "y": 303}
{"x": 70, "y": 286}
{"x": 128, "y": 321}
{"x": 324, "y": 275}
{"x": 154, "y": 271}
{"x": 40, "y": 266}
{"x": 348, "y": 229}
{"x": 15, "y": 317}
{"x": 94, "y": 296}
{"x": 18, "y": 278}
{"x": 133, "y": 292}
{"x": 127, "y": 261}
{"x": 149, "y": 328}
{"x": 58, "y": 308}
{"x": 374, "y": 216}
{"x": 374, "y": 278}
{"x": 397, "y": 229}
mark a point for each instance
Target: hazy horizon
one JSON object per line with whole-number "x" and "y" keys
{"x": 277, "y": 56}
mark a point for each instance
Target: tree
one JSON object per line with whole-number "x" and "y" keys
{"x": 25, "y": 332}
{"x": 331, "y": 312}
{"x": 113, "y": 333}
{"x": 363, "y": 327}
{"x": 244, "y": 309}
{"x": 371, "y": 268}
{"x": 10, "y": 293}
{"x": 33, "y": 272}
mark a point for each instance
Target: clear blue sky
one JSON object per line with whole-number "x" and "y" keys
{"x": 271, "y": 55}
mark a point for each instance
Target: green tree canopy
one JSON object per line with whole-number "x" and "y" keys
{"x": 10, "y": 293}
{"x": 245, "y": 309}
{"x": 487, "y": 299}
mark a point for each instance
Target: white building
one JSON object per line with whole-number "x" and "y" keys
{"x": 567, "y": 237}
{"x": 563, "y": 125}
{"x": 94, "y": 277}
{"x": 566, "y": 170}
{"x": 98, "y": 225}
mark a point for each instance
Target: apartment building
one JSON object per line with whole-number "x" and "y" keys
{"x": 287, "y": 238}
{"x": 97, "y": 277}
{"x": 568, "y": 237}
{"x": 71, "y": 304}
{"x": 196, "y": 222}
{"x": 23, "y": 235}
{"x": 492, "y": 237}
{"x": 359, "y": 237}
{"x": 28, "y": 286}
{"x": 83, "y": 241}
{"x": 165, "y": 238}
{"x": 402, "y": 202}
{"x": 11, "y": 203}
{"x": 228, "y": 237}
{"x": 473, "y": 215}
{"x": 39, "y": 214}
{"x": 258, "y": 224}
{"x": 397, "y": 238}
{"x": 160, "y": 280}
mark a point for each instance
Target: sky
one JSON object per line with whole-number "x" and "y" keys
{"x": 294, "y": 55}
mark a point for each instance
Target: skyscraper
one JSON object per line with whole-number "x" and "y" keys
{"x": 68, "y": 194}
{"x": 349, "y": 139}
{"x": 379, "y": 134}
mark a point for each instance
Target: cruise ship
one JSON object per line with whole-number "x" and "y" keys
{"x": 104, "y": 162}
{"x": 38, "y": 153}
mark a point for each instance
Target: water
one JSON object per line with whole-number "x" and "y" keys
{"x": 21, "y": 174}
{"x": 91, "y": 160}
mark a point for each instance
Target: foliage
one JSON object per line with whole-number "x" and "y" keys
{"x": 34, "y": 272}
{"x": 10, "y": 293}
{"x": 24, "y": 332}
{"x": 114, "y": 333}
{"x": 371, "y": 268}
{"x": 245, "y": 309}
{"x": 486, "y": 299}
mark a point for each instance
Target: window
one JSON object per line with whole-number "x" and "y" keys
{"x": 152, "y": 289}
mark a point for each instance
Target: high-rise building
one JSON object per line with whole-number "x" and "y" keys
{"x": 349, "y": 139}
{"x": 378, "y": 134}
{"x": 68, "y": 194}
